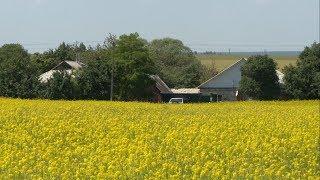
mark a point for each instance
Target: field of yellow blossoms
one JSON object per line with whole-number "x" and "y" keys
{"x": 88, "y": 139}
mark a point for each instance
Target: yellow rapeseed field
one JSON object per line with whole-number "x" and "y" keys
{"x": 114, "y": 140}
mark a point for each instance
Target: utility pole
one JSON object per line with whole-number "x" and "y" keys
{"x": 111, "y": 42}
{"x": 112, "y": 83}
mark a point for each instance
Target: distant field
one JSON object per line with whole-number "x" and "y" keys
{"x": 223, "y": 61}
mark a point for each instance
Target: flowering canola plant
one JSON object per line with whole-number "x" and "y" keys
{"x": 115, "y": 140}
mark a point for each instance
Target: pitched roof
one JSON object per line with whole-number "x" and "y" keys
{"x": 279, "y": 73}
{"x": 162, "y": 86}
{"x": 75, "y": 64}
{"x": 72, "y": 64}
{"x": 222, "y": 72}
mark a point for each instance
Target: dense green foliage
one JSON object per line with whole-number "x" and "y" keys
{"x": 61, "y": 86}
{"x": 120, "y": 69}
{"x": 134, "y": 67}
{"x": 47, "y": 60}
{"x": 259, "y": 78}
{"x": 125, "y": 61}
{"x": 303, "y": 80}
{"x": 176, "y": 63}
{"x": 17, "y": 75}
{"x": 94, "y": 80}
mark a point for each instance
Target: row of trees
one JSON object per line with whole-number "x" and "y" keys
{"x": 260, "y": 81}
{"x": 125, "y": 61}
{"x": 128, "y": 60}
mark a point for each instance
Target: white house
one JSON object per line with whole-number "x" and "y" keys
{"x": 225, "y": 85}
{"x": 67, "y": 66}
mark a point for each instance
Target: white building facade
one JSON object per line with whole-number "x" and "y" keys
{"x": 225, "y": 85}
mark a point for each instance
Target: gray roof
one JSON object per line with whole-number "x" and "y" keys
{"x": 71, "y": 66}
{"x": 186, "y": 91}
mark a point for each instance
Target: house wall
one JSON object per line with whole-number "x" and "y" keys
{"x": 228, "y": 94}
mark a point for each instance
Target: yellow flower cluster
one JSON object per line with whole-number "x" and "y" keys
{"x": 90, "y": 139}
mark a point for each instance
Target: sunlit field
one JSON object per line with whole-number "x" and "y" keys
{"x": 88, "y": 139}
{"x": 223, "y": 61}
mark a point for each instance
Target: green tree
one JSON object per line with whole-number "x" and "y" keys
{"x": 303, "y": 81}
{"x": 80, "y": 47}
{"x": 125, "y": 62}
{"x": 133, "y": 67}
{"x": 176, "y": 63}
{"x": 259, "y": 78}
{"x": 64, "y": 52}
{"x": 94, "y": 80}
{"x": 18, "y": 78}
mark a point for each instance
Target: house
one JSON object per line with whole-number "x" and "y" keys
{"x": 67, "y": 66}
{"x": 224, "y": 86}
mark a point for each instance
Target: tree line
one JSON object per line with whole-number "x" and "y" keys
{"x": 127, "y": 61}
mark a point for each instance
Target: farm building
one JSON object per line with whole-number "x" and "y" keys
{"x": 222, "y": 87}
{"x": 163, "y": 93}
{"x": 67, "y": 66}
{"x": 225, "y": 85}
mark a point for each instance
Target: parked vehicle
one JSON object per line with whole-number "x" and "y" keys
{"x": 176, "y": 101}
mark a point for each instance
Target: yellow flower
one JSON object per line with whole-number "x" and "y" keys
{"x": 41, "y": 139}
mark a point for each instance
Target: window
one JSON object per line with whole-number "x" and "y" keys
{"x": 215, "y": 97}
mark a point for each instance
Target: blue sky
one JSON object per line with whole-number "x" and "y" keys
{"x": 217, "y": 25}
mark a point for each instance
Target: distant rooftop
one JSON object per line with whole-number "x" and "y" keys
{"x": 186, "y": 91}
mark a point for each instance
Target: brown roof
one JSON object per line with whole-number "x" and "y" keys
{"x": 162, "y": 86}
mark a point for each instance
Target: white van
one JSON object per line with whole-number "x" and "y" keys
{"x": 176, "y": 101}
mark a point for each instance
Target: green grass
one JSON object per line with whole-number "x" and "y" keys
{"x": 223, "y": 61}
